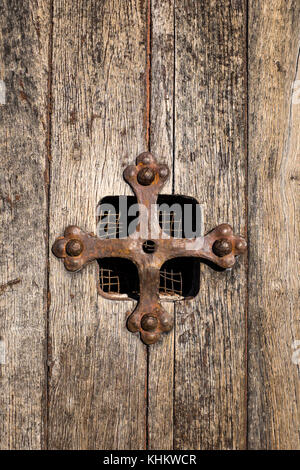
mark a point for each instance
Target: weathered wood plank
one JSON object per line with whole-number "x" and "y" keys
{"x": 24, "y": 31}
{"x": 98, "y": 369}
{"x": 274, "y": 143}
{"x": 210, "y": 161}
{"x": 161, "y": 355}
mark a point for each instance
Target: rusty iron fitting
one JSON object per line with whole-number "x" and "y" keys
{"x": 78, "y": 248}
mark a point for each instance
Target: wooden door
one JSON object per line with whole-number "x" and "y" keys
{"x": 212, "y": 89}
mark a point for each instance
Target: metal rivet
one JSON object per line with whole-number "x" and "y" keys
{"x": 74, "y": 247}
{"x": 222, "y": 247}
{"x": 77, "y": 248}
{"x": 149, "y": 323}
{"x": 145, "y": 176}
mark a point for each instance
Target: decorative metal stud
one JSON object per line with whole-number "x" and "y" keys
{"x": 78, "y": 248}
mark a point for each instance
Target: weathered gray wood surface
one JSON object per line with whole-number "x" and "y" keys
{"x": 173, "y": 77}
{"x": 274, "y": 145}
{"x": 24, "y": 33}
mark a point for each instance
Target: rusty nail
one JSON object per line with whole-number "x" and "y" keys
{"x": 149, "y": 323}
{"x": 222, "y": 247}
{"x": 145, "y": 176}
{"x": 74, "y": 247}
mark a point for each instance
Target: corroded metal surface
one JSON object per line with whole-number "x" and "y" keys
{"x": 78, "y": 248}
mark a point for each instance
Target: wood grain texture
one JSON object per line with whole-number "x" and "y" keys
{"x": 161, "y": 355}
{"x": 24, "y": 32}
{"x": 274, "y": 143}
{"x": 97, "y": 394}
{"x": 171, "y": 77}
{"x": 210, "y": 164}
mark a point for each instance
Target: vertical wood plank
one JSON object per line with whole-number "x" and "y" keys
{"x": 98, "y": 369}
{"x": 161, "y": 355}
{"x": 210, "y": 162}
{"x": 274, "y": 143}
{"x": 24, "y": 32}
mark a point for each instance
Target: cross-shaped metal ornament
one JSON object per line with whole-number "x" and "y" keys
{"x": 78, "y": 248}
